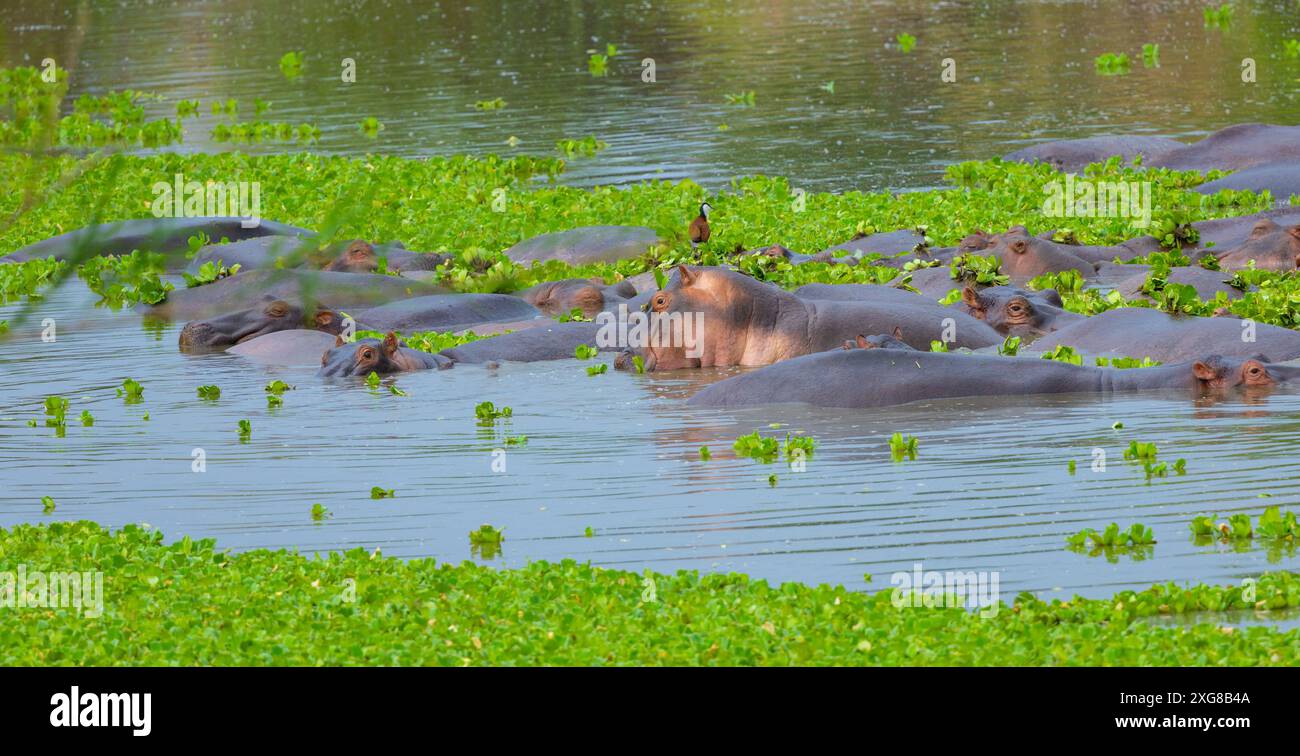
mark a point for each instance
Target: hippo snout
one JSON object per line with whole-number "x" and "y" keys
{"x": 199, "y": 335}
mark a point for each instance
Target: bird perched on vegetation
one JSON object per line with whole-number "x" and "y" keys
{"x": 700, "y": 226}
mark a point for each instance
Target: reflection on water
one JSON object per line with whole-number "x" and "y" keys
{"x": 1024, "y": 73}
{"x": 619, "y": 454}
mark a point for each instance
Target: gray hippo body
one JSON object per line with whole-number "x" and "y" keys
{"x": 858, "y": 293}
{"x": 1073, "y": 155}
{"x": 590, "y": 244}
{"x": 556, "y": 341}
{"x": 345, "y": 291}
{"x": 867, "y": 378}
{"x": 888, "y": 244}
{"x": 1268, "y": 247}
{"x": 1143, "y": 332}
{"x": 164, "y": 235}
{"x": 1282, "y": 179}
{"x": 1236, "y": 147}
{"x": 297, "y": 348}
{"x": 587, "y": 295}
{"x": 444, "y": 312}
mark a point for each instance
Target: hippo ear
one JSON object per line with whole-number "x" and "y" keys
{"x": 1262, "y": 228}
{"x": 971, "y": 299}
{"x": 1017, "y": 231}
{"x": 687, "y": 276}
{"x": 863, "y": 343}
{"x": 1294, "y": 231}
{"x": 1020, "y": 246}
{"x": 898, "y": 333}
{"x": 1204, "y": 372}
{"x": 390, "y": 344}
{"x": 338, "y": 341}
{"x": 324, "y": 318}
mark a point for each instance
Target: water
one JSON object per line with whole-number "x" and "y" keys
{"x": 619, "y": 453}
{"x": 1025, "y": 73}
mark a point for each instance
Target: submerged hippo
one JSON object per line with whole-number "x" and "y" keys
{"x": 716, "y": 317}
{"x": 1017, "y": 312}
{"x": 387, "y": 355}
{"x": 863, "y": 378}
{"x": 236, "y": 327}
{"x": 251, "y": 254}
{"x": 1281, "y": 179}
{"x": 1208, "y": 283}
{"x": 147, "y": 234}
{"x": 880, "y": 341}
{"x": 1073, "y": 155}
{"x": 1242, "y": 146}
{"x": 553, "y": 341}
{"x": 444, "y": 312}
{"x": 1144, "y": 332}
{"x": 889, "y": 244}
{"x": 582, "y": 246}
{"x": 588, "y": 295}
{"x": 346, "y": 291}
{"x": 1270, "y": 246}
{"x": 359, "y": 256}
{"x": 1024, "y": 257}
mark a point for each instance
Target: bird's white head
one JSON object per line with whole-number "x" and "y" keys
{"x": 705, "y": 208}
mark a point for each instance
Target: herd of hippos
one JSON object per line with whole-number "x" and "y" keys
{"x": 834, "y": 345}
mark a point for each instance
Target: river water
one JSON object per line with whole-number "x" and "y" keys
{"x": 618, "y": 453}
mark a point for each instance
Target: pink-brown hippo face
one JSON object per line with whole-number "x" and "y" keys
{"x": 357, "y": 257}
{"x": 237, "y": 327}
{"x": 562, "y": 297}
{"x": 1253, "y": 373}
{"x": 365, "y": 356}
{"x": 1016, "y": 312}
{"x": 703, "y": 316}
{"x": 1271, "y": 246}
{"x": 1024, "y": 257}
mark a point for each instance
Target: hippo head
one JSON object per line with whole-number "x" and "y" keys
{"x": 1014, "y": 312}
{"x": 976, "y": 241}
{"x": 879, "y": 341}
{"x": 1023, "y": 256}
{"x": 357, "y": 257}
{"x": 1271, "y": 246}
{"x": 774, "y": 250}
{"x": 562, "y": 297}
{"x": 1221, "y": 373}
{"x": 365, "y": 356}
{"x": 276, "y": 315}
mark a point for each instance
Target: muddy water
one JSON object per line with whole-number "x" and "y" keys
{"x": 1024, "y": 73}
{"x": 618, "y": 453}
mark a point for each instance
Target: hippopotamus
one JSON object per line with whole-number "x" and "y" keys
{"x": 346, "y": 291}
{"x": 1242, "y": 146}
{"x": 1013, "y": 311}
{"x": 932, "y": 284}
{"x": 858, "y": 293}
{"x": 1208, "y": 283}
{"x": 554, "y": 341}
{"x": 588, "y": 295}
{"x": 164, "y": 235}
{"x": 297, "y": 348}
{"x": 1270, "y": 246}
{"x": 1073, "y": 155}
{"x": 726, "y": 318}
{"x": 236, "y": 327}
{"x": 582, "y": 246}
{"x": 879, "y": 341}
{"x": 1024, "y": 257}
{"x": 1144, "y": 332}
{"x": 360, "y": 256}
{"x": 387, "y": 355}
{"x": 889, "y": 244}
{"x": 863, "y": 378}
{"x": 795, "y": 258}
{"x": 1280, "y": 179}
{"x": 444, "y": 312}
{"x": 251, "y": 254}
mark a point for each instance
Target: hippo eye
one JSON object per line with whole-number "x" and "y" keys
{"x": 661, "y": 301}
{"x": 366, "y": 354}
{"x": 276, "y": 310}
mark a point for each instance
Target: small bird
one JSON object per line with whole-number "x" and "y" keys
{"x": 700, "y": 226}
